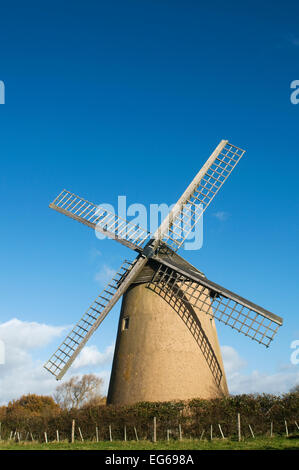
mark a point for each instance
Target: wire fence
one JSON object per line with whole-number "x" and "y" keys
{"x": 239, "y": 417}
{"x": 154, "y": 432}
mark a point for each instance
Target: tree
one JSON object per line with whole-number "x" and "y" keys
{"x": 77, "y": 391}
{"x": 2, "y": 413}
{"x": 295, "y": 389}
{"x": 32, "y": 405}
{"x": 98, "y": 400}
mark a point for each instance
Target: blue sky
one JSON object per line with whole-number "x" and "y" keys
{"x": 130, "y": 98}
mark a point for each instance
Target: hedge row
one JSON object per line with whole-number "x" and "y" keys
{"x": 192, "y": 417}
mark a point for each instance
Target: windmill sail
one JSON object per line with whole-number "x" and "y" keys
{"x": 180, "y": 221}
{"x": 199, "y": 194}
{"x": 69, "y": 349}
{"x": 100, "y": 219}
{"x": 226, "y": 306}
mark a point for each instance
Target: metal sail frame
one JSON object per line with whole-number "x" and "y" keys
{"x": 74, "y": 342}
{"x": 218, "y": 302}
{"x": 171, "y": 234}
{"x": 100, "y": 219}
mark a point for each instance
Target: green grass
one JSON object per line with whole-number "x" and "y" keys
{"x": 260, "y": 443}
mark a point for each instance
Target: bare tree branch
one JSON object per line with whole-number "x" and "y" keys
{"x": 78, "y": 391}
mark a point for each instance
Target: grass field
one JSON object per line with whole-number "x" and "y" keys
{"x": 260, "y": 443}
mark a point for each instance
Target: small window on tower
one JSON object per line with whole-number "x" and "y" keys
{"x": 125, "y": 323}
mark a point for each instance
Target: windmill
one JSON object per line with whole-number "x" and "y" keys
{"x": 167, "y": 346}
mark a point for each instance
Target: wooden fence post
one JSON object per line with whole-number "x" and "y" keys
{"x": 155, "y": 430}
{"x": 57, "y": 435}
{"x": 251, "y": 431}
{"x": 125, "y": 433}
{"x": 136, "y": 435}
{"x": 286, "y": 425}
{"x": 46, "y": 437}
{"x": 239, "y": 427}
{"x": 211, "y": 432}
{"x": 79, "y": 429}
{"x": 97, "y": 434}
{"x": 73, "y": 431}
{"x": 110, "y": 433}
{"x": 271, "y": 429}
{"x": 221, "y": 431}
{"x": 180, "y": 432}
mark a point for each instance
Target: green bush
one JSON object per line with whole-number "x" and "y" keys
{"x": 34, "y": 417}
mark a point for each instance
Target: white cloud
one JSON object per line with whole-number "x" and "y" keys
{"x": 278, "y": 382}
{"x": 23, "y": 372}
{"x": 104, "y": 275}
{"x": 232, "y": 361}
{"x": 28, "y": 335}
{"x": 91, "y": 356}
{"x": 20, "y": 338}
{"x": 221, "y": 215}
{"x": 20, "y": 373}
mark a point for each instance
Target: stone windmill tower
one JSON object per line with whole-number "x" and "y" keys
{"x": 167, "y": 346}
